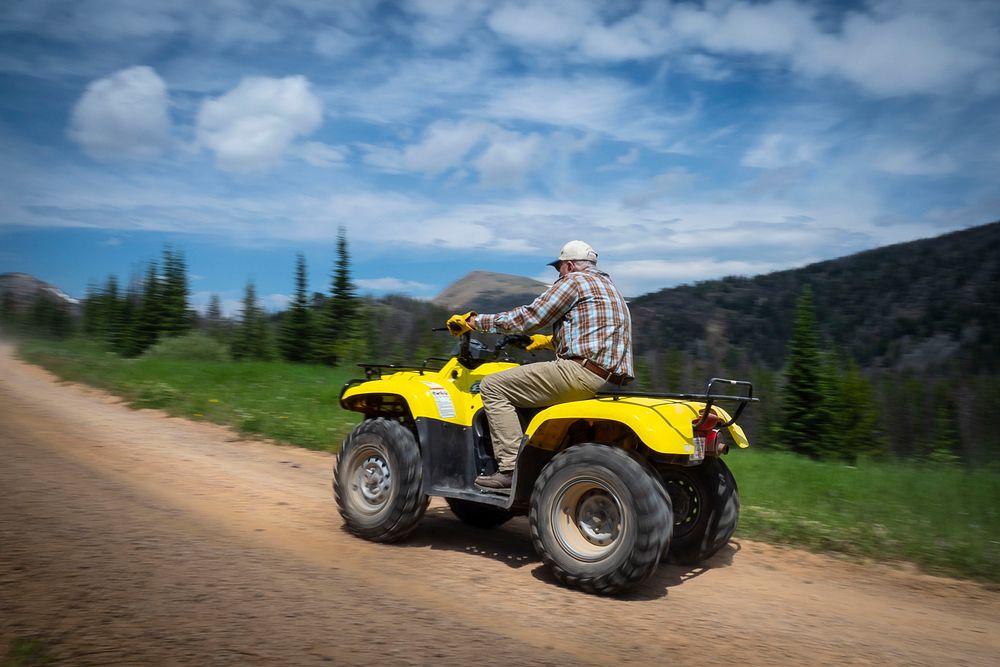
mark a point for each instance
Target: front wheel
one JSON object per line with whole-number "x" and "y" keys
{"x": 377, "y": 481}
{"x": 599, "y": 519}
{"x": 706, "y": 509}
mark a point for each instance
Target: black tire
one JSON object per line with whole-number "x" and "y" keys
{"x": 377, "y": 481}
{"x": 599, "y": 518}
{"x": 479, "y": 514}
{"x": 706, "y": 507}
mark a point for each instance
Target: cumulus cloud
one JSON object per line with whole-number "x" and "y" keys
{"x": 123, "y": 116}
{"x": 251, "y": 127}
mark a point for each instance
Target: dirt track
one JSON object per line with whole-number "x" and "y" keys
{"x": 128, "y": 537}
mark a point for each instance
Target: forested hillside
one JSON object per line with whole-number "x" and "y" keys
{"x": 926, "y": 305}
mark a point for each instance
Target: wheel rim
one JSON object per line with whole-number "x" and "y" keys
{"x": 371, "y": 479}
{"x": 588, "y": 519}
{"x": 686, "y": 504}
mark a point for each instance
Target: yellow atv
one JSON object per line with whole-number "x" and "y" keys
{"x": 610, "y": 484}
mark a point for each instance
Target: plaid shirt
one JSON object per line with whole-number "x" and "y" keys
{"x": 588, "y": 316}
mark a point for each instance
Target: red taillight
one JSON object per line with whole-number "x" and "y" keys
{"x": 707, "y": 430}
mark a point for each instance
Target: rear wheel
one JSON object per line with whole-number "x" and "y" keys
{"x": 599, "y": 518}
{"x": 706, "y": 507}
{"x": 377, "y": 481}
{"x": 478, "y": 514}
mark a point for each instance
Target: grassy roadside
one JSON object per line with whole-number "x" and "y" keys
{"x": 293, "y": 403}
{"x": 944, "y": 519}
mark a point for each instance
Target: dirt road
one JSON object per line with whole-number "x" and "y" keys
{"x": 128, "y": 537}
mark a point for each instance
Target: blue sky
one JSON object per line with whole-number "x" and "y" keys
{"x": 684, "y": 141}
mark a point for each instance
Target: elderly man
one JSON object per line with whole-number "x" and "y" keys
{"x": 591, "y": 334}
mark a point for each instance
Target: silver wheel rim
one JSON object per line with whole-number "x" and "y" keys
{"x": 588, "y": 519}
{"x": 371, "y": 480}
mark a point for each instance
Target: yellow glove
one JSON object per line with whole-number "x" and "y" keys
{"x": 540, "y": 342}
{"x": 459, "y": 324}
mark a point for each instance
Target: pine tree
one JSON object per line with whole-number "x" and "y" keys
{"x": 339, "y": 321}
{"x": 856, "y": 417}
{"x": 115, "y": 316}
{"x": 805, "y": 421}
{"x": 251, "y": 339}
{"x": 296, "y": 330}
{"x": 214, "y": 323}
{"x": 148, "y": 323}
{"x": 175, "y": 314}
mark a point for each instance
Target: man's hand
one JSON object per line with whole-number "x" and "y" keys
{"x": 540, "y": 342}
{"x": 459, "y": 324}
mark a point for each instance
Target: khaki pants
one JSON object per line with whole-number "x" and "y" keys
{"x": 530, "y": 386}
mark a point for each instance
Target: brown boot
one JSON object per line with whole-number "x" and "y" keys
{"x": 498, "y": 480}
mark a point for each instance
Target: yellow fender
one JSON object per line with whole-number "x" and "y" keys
{"x": 662, "y": 424}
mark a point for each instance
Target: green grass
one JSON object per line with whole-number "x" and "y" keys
{"x": 294, "y": 403}
{"x": 28, "y": 652}
{"x": 943, "y": 518}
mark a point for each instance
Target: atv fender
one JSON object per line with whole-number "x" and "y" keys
{"x": 424, "y": 398}
{"x": 663, "y": 425}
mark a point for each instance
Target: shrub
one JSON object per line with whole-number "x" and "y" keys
{"x": 190, "y": 346}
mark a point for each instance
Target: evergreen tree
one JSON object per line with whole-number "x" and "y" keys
{"x": 805, "y": 421}
{"x": 339, "y": 322}
{"x": 175, "y": 314}
{"x": 116, "y": 313}
{"x": 214, "y": 323}
{"x": 9, "y": 315}
{"x": 296, "y": 330}
{"x": 148, "y": 323}
{"x": 856, "y": 417}
{"x": 49, "y": 316}
{"x": 251, "y": 339}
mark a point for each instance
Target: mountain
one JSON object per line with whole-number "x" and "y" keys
{"x": 21, "y": 290}
{"x": 487, "y": 292}
{"x": 920, "y": 305}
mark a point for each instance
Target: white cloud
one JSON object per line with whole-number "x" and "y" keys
{"x": 335, "y": 43}
{"x": 644, "y": 275}
{"x": 673, "y": 182}
{"x": 604, "y": 105}
{"x": 886, "y": 48}
{"x": 389, "y": 284}
{"x": 898, "y": 55}
{"x": 914, "y": 162}
{"x": 251, "y": 127}
{"x": 123, "y": 116}
{"x": 445, "y": 145}
{"x": 322, "y": 155}
{"x": 550, "y": 25}
{"x": 776, "y": 150}
{"x": 508, "y": 159}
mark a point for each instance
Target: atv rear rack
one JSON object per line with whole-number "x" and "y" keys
{"x": 375, "y": 371}
{"x": 709, "y": 398}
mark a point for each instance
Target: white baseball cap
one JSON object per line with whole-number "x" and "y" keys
{"x": 575, "y": 250}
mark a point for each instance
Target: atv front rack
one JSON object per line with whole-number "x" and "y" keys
{"x": 709, "y": 398}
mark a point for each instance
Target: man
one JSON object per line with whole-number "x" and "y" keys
{"x": 592, "y": 337}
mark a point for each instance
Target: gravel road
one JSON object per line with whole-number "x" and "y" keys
{"x": 133, "y": 538}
